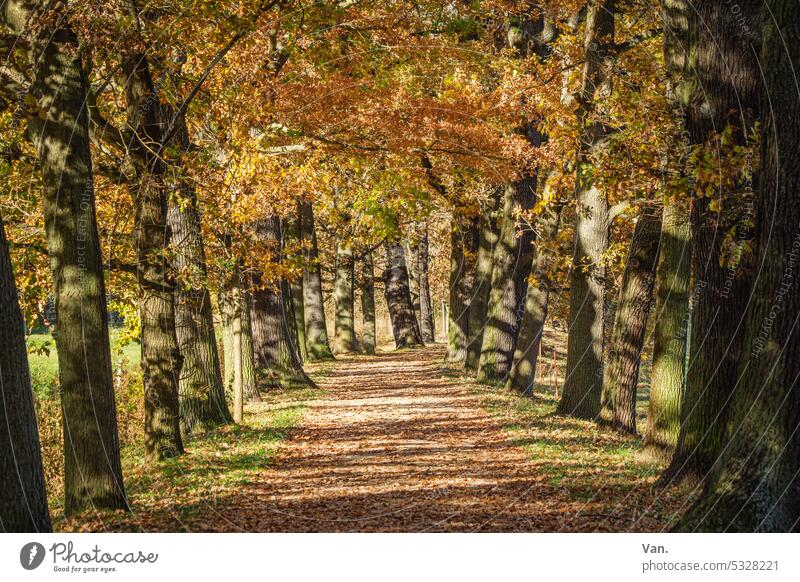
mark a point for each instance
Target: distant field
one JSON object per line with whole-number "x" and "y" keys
{"x": 43, "y": 360}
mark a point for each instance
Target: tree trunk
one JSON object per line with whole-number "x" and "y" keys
{"x": 412, "y": 252}
{"x": 669, "y": 337}
{"x": 161, "y": 358}
{"x": 239, "y": 363}
{"x": 23, "y": 497}
{"x": 426, "y": 325}
{"x": 512, "y": 264}
{"x": 726, "y": 76}
{"x": 294, "y": 238}
{"x": 618, "y": 401}
{"x": 368, "y": 304}
{"x": 277, "y": 362}
{"x": 398, "y": 298}
{"x": 755, "y": 485}
{"x": 344, "y": 339}
{"x": 488, "y": 237}
{"x": 86, "y": 384}
{"x": 314, "y": 309}
{"x": 584, "y": 372}
{"x": 201, "y": 393}
{"x": 523, "y": 373}
{"x": 463, "y": 237}
{"x": 673, "y": 272}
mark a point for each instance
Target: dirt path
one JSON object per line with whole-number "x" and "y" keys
{"x": 395, "y": 446}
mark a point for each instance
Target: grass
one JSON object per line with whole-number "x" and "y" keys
{"x": 594, "y": 477}
{"x": 187, "y": 492}
{"x": 43, "y": 360}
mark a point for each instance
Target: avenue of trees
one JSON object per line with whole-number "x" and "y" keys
{"x": 224, "y": 173}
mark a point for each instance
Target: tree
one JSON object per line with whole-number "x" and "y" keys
{"x": 523, "y": 373}
{"x": 669, "y": 336}
{"x": 313, "y": 305}
{"x": 201, "y": 394}
{"x": 344, "y": 341}
{"x": 673, "y": 272}
{"x": 398, "y": 298}
{"x": 584, "y": 374}
{"x": 23, "y": 500}
{"x": 276, "y": 359}
{"x": 755, "y": 486}
{"x": 618, "y": 398}
{"x": 463, "y": 236}
{"x": 60, "y": 133}
{"x": 512, "y": 263}
{"x": 368, "y": 303}
{"x": 240, "y": 379}
{"x": 488, "y": 237}
{"x": 426, "y": 324}
{"x": 161, "y": 358}
{"x": 721, "y": 88}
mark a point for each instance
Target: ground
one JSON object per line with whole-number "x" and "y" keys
{"x": 398, "y": 442}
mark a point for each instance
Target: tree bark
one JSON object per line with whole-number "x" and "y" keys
{"x": 426, "y": 319}
{"x": 755, "y": 485}
{"x": 398, "y": 298}
{"x": 344, "y": 339}
{"x": 412, "y": 253}
{"x": 512, "y": 264}
{"x": 584, "y": 371}
{"x": 673, "y": 273}
{"x": 463, "y": 242}
{"x": 368, "y": 304}
{"x": 669, "y": 337}
{"x": 201, "y": 393}
{"x": 239, "y": 362}
{"x": 23, "y": 497}
{"x": 61, "y": 137}
{"x": 488, "y": 237}
{"x": 618, "y": 401}
{"x": 314, "y": 309}
{"x": 723, "y": 81}
{"x": 161, "y": 358}
{"x": 523, "y": 373}
{"x": 294, "y": 239}
{"x": 276, "y": 359}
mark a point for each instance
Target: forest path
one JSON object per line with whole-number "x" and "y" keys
{"x": 396, "y": 445}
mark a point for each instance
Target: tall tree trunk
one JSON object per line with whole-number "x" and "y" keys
{"x": 294, "y": 238}
{"x": 161, "y": 358}
{"x": 669, "y": 336}
{"x": 61, "y": 138}
{"x": 314, "y": 309}
{"x": 426, "y": 319}
{"x": 756, "y": 484}
{"x": 234, "y": 302}
{"x": 673, "y": 273}
{"x": 512, "y": 264}
{"x": 368, "y": 304}
{"x": 412, "y": 253}
{"x": 276, "y": 359}
{"x": 344, "y": 339}
{"x": 201, "y": 393}
{"x": 463, "y": 240}
{"x": 618, "y": 401}
{"x": 523, "y": 374}
{"x": 23, "y": 497}
{"x": 584, "y": 374}
{"x": 725, "y": 77}
{"x": 488, "y": 237}
{"x": 398, "y": 298}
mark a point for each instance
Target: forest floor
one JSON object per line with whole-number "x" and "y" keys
{"x": 399, "y": 442}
